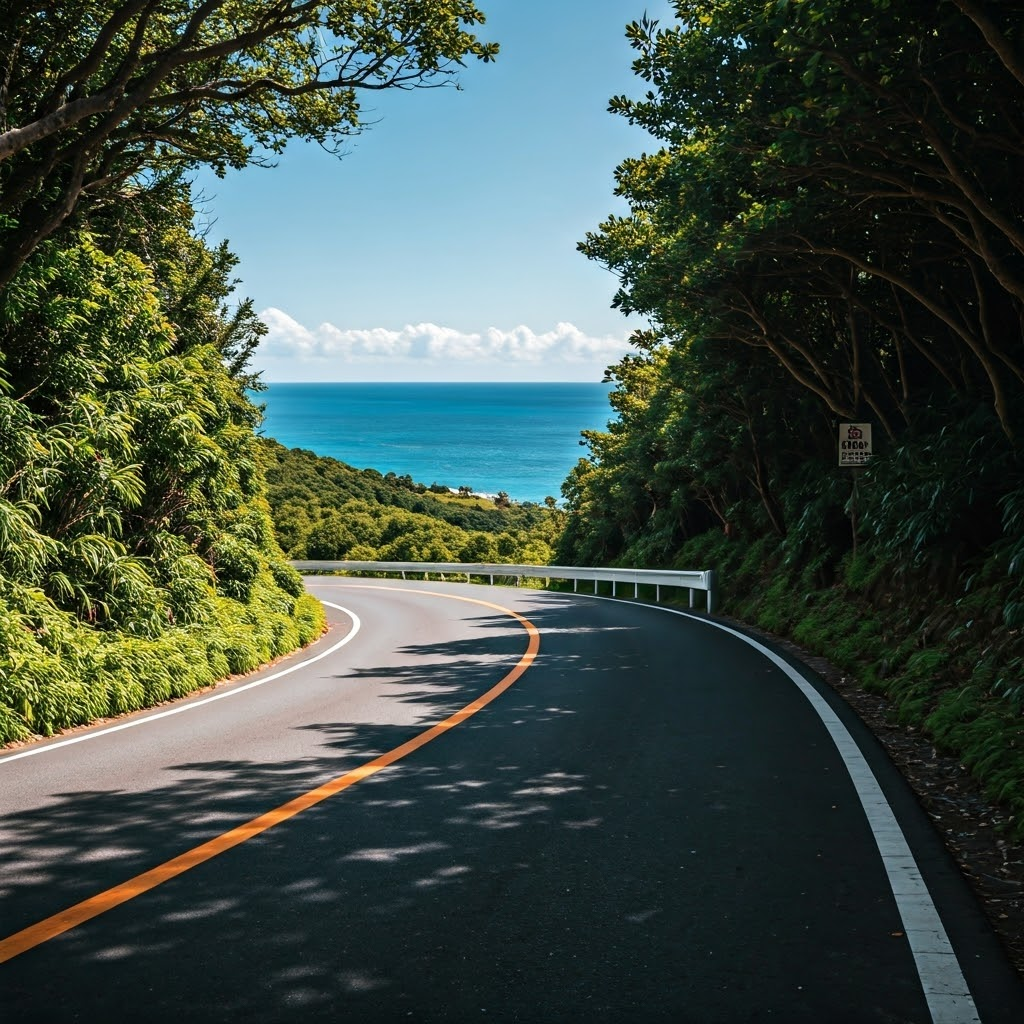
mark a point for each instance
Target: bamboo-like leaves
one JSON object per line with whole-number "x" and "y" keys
{"x": 129, "y": 492}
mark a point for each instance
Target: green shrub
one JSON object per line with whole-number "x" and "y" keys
{"x": 65, "y": 673}
{"x": 286, "y": 577}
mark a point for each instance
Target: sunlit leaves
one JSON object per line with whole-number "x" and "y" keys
{"x": 103, "y": 100}
{"x": 137, "y": 558}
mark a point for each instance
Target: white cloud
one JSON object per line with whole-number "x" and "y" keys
{"x": 427, "y": 351}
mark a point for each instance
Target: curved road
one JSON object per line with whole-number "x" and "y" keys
{"x": 486, "y": 804}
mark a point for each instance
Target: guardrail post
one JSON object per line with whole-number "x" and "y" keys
{"x": 657, "y": 592}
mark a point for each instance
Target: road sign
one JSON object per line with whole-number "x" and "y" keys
{"x": 854, "y": 444}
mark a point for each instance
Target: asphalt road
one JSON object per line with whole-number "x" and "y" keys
{"x": 487, "y": 804}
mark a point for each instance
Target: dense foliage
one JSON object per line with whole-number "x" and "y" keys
{"x": 325, "y": 509}
{"x": 137, "y": 555}
{"x": 830, "y": 231}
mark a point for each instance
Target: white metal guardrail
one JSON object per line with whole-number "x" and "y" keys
{"x": 702, "y": 579}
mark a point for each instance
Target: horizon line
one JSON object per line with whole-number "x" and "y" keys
{"x": 454, "y": 381}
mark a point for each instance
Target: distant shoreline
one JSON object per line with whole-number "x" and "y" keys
{"x": 518, "y": 437}
{"x": 444, "y": 383}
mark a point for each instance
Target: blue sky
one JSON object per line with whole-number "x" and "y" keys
{"x": 442, "y": 245}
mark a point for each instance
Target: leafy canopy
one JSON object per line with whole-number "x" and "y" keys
{"x": 97, "y": 94}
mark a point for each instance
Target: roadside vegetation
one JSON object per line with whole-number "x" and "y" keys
{"x": 325, "y": 509}
{"x": 137, "y": 555}
{"x": 829, "y": 232}
{"x": 138, "y": 561}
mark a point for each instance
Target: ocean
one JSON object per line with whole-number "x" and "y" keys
{"x": 519, "y": 438}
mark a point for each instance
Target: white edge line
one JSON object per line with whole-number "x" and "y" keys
{"x": 945, "y": 988}
{"x": 190, "y": 705}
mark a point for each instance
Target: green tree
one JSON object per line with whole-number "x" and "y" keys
{"x": 828, "y": 230}
{"x": 137, "y": 555}
{"x": 480, "y": 547}
{"x": 801, "y": 142}
{"x": 330, "y": 538}
{"x": 420, "y": 541}
{"x": 101, "y": 101}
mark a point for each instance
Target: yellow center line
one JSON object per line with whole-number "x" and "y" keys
{"x": 36, "y": 934}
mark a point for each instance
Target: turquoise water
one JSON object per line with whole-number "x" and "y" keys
{"x": 519, "y": 438}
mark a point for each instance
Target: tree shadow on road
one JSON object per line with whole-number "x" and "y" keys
{"x": 526, "y": 865}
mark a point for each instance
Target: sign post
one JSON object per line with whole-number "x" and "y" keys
{"x": 854, "y": 444}
{"x": 855, "y": 451}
